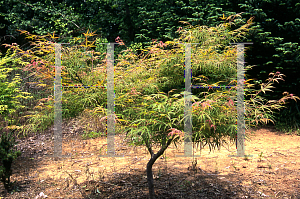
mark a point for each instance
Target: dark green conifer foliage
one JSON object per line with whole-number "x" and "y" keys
{"x": 7, "y": 155}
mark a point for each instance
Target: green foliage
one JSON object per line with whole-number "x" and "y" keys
{"x": 275, "y": 33}
{"x": 80, "y": 66}
{"x": 170, "y": 69}
{"x": 158, "y": 68}
{"x": 40, "y": 118}
{"x": 157, "y": 114}
{"x": 40, "y": 17}
{"x": 212, "y": 59}
{"x": 288, "y": 119}
{"x": 7, "y": 155}
{"x": 10, "y": 92}
{"x": 259, "y": 108}
{"x": 133, "y": 21}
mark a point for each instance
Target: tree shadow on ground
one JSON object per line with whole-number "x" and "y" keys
{"x": 167, "y": 186}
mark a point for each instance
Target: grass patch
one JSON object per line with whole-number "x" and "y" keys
{"x": 91, "y": 135}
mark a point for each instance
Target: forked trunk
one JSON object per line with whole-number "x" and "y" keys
{"x": 153, "y": 158}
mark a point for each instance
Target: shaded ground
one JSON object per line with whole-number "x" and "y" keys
{"x": 276, "y": 174}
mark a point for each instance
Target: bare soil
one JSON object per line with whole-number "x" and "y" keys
{"x": 274, "y": 174}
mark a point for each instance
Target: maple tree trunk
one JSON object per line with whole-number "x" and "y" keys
{"x": 153, "y": 158}
{"x": 150, "y": 179}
